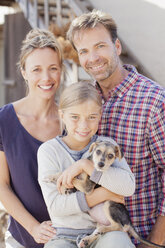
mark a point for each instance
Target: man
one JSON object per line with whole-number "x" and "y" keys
{"x": 133, "y": 115}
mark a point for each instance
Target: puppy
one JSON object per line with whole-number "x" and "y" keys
{"x": 103, "y": 154}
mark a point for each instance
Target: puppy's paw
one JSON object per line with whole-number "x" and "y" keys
{"x": 51, "y": 178}
{"x": 84, "y": 242}
{"x": 69, "y": 191}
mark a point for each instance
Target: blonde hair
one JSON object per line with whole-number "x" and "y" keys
{"x": 91, "y": 20}
{"x": 38, "y": 38}
{"x": 78, "y": 93}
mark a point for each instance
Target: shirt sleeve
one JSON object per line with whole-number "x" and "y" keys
{"x": 57, "y": 204}
{"x": 118, "y": 178}
{"x": 157, "y": 146}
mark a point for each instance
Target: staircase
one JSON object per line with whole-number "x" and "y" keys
{"x": 42, "y": 13}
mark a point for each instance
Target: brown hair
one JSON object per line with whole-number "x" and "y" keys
{"x": 91, "y": 20}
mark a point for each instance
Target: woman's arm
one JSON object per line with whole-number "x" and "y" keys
{"x": 40, "y": 232}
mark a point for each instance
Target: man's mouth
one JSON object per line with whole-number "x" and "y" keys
{"x": 96, "y": 68}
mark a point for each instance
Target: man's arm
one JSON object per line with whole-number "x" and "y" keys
{"x": 157, "y": 234}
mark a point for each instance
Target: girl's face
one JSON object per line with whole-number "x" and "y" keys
{"x": 81, "y": 122}
{"x": 42, "y": 72}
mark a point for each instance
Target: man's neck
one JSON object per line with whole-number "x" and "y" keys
{"x": 110, "y": 83}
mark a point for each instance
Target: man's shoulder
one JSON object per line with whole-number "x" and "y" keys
{"x": 150, "y": 85}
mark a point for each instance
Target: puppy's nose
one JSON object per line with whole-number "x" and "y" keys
{"x": 101, "y": 164}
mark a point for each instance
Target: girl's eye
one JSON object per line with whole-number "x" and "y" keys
{"x": 75, "y": 117}
{"x": 92, "y": 117}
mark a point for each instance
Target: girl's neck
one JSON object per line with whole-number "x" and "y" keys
{"x": 75, "y": 145}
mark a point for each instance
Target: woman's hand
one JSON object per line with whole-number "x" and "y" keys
{"x": 72, "y": 171}
{"x": 43, "y": 232}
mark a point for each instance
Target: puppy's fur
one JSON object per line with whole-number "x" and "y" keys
{"x": 103, "y": 154}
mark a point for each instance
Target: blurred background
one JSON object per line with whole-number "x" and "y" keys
{"x": 141, "y": 29}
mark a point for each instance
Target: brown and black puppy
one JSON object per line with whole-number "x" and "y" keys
{"x": 103, "y": 154}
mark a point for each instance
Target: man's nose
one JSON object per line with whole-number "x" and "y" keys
{"x": 94, "y": 56}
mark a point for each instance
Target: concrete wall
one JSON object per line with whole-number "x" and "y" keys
{"x": 141, "y": 27}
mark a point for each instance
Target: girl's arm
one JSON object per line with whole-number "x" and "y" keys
{"x": 100, "y": 195}
{"x": 118, "y": 178}
{"x": 41, "y": 232}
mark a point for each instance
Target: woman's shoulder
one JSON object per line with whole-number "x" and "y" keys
{"x": 6, "y": 111}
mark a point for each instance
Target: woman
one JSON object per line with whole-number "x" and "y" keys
{"x": 24, "y": 126}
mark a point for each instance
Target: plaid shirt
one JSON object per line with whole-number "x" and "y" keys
{"x": 134, "y": 116}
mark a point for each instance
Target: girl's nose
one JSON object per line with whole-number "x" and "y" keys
{"x": 83, "y": 124}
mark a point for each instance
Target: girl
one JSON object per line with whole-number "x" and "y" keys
{"x": 80, "y": 111}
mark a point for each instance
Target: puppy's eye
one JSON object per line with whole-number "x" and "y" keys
{"x": 98, "y": 152}
{"x": 110, "y": 156}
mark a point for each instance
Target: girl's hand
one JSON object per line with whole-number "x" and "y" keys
{"x": 67, "y": 176}
{"x": 72, "y": 171}
{"x": 43, "y": 232}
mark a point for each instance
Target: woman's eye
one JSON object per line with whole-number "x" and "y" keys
{"x": 54, "y": 68}
{"x": 36, "y": 69}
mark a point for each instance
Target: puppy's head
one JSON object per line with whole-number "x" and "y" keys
{"x": 103, "y": 154}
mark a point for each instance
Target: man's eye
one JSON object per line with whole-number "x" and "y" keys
{"x": 100, "y": 46}
{"x": 98, "y": 152}
{"x": 82, "y": 52}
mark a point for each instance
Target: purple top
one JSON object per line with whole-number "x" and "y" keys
{"x": 21, "y": 152}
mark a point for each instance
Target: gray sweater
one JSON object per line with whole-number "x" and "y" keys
{"x": 71, "y": 211}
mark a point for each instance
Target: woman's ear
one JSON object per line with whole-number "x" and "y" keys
{"x": 23, "y": 72}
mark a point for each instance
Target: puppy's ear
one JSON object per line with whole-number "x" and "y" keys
{"x": 118, "y": 152}
{"x": 92, "y": 146}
